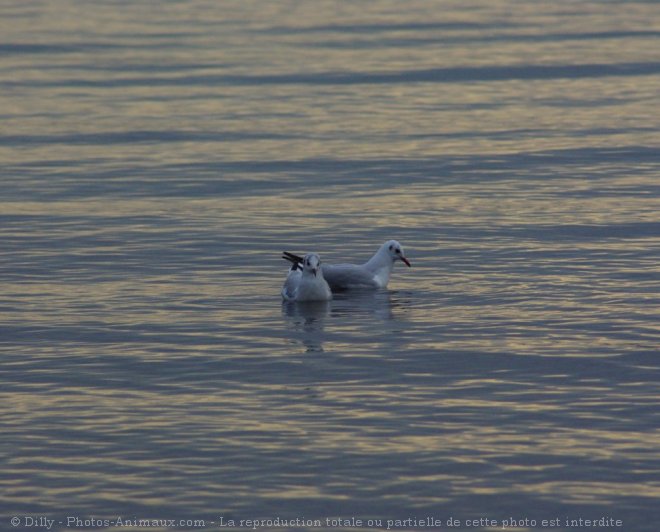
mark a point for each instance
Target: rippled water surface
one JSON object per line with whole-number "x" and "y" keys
{"x": 158, "y": 156}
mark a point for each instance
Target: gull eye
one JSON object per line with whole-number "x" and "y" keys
{"x": 398, "y": 250}
{"x": 391, "y": 247}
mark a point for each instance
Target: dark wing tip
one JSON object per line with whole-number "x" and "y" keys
{"x": 292, "y": 257}
{"x": 295, "y": 260}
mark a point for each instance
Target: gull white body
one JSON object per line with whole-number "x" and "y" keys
{"x": 305, "y": 281}
{"x": 375, "y": 273}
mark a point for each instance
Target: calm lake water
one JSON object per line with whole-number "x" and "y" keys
{"x": 156, "y": 158}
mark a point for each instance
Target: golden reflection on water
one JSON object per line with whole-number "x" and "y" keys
{"x": 321, "y": 426}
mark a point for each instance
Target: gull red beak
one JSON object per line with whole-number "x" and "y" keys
{"x": 406, "y": 261}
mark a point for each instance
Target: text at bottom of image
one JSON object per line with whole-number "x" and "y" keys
{"x": 428, "y": 522}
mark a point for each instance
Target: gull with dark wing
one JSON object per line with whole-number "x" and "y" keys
{"x": 305, "y": 281}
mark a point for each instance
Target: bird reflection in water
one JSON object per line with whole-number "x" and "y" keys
{"x": 307, "y": 318}
{"x": 368, "y": 310}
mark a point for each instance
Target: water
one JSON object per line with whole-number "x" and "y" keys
{"x": 158, "y": 156}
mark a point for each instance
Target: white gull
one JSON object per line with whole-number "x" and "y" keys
{"x": 305, "y": 281}
{"x": 375, "y": 273}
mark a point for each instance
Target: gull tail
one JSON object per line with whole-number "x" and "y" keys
{"x": 295, "y": 260}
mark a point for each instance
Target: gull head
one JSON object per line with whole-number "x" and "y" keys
{"x": 311, "y": 264}
{"x": 396, "y": 252}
